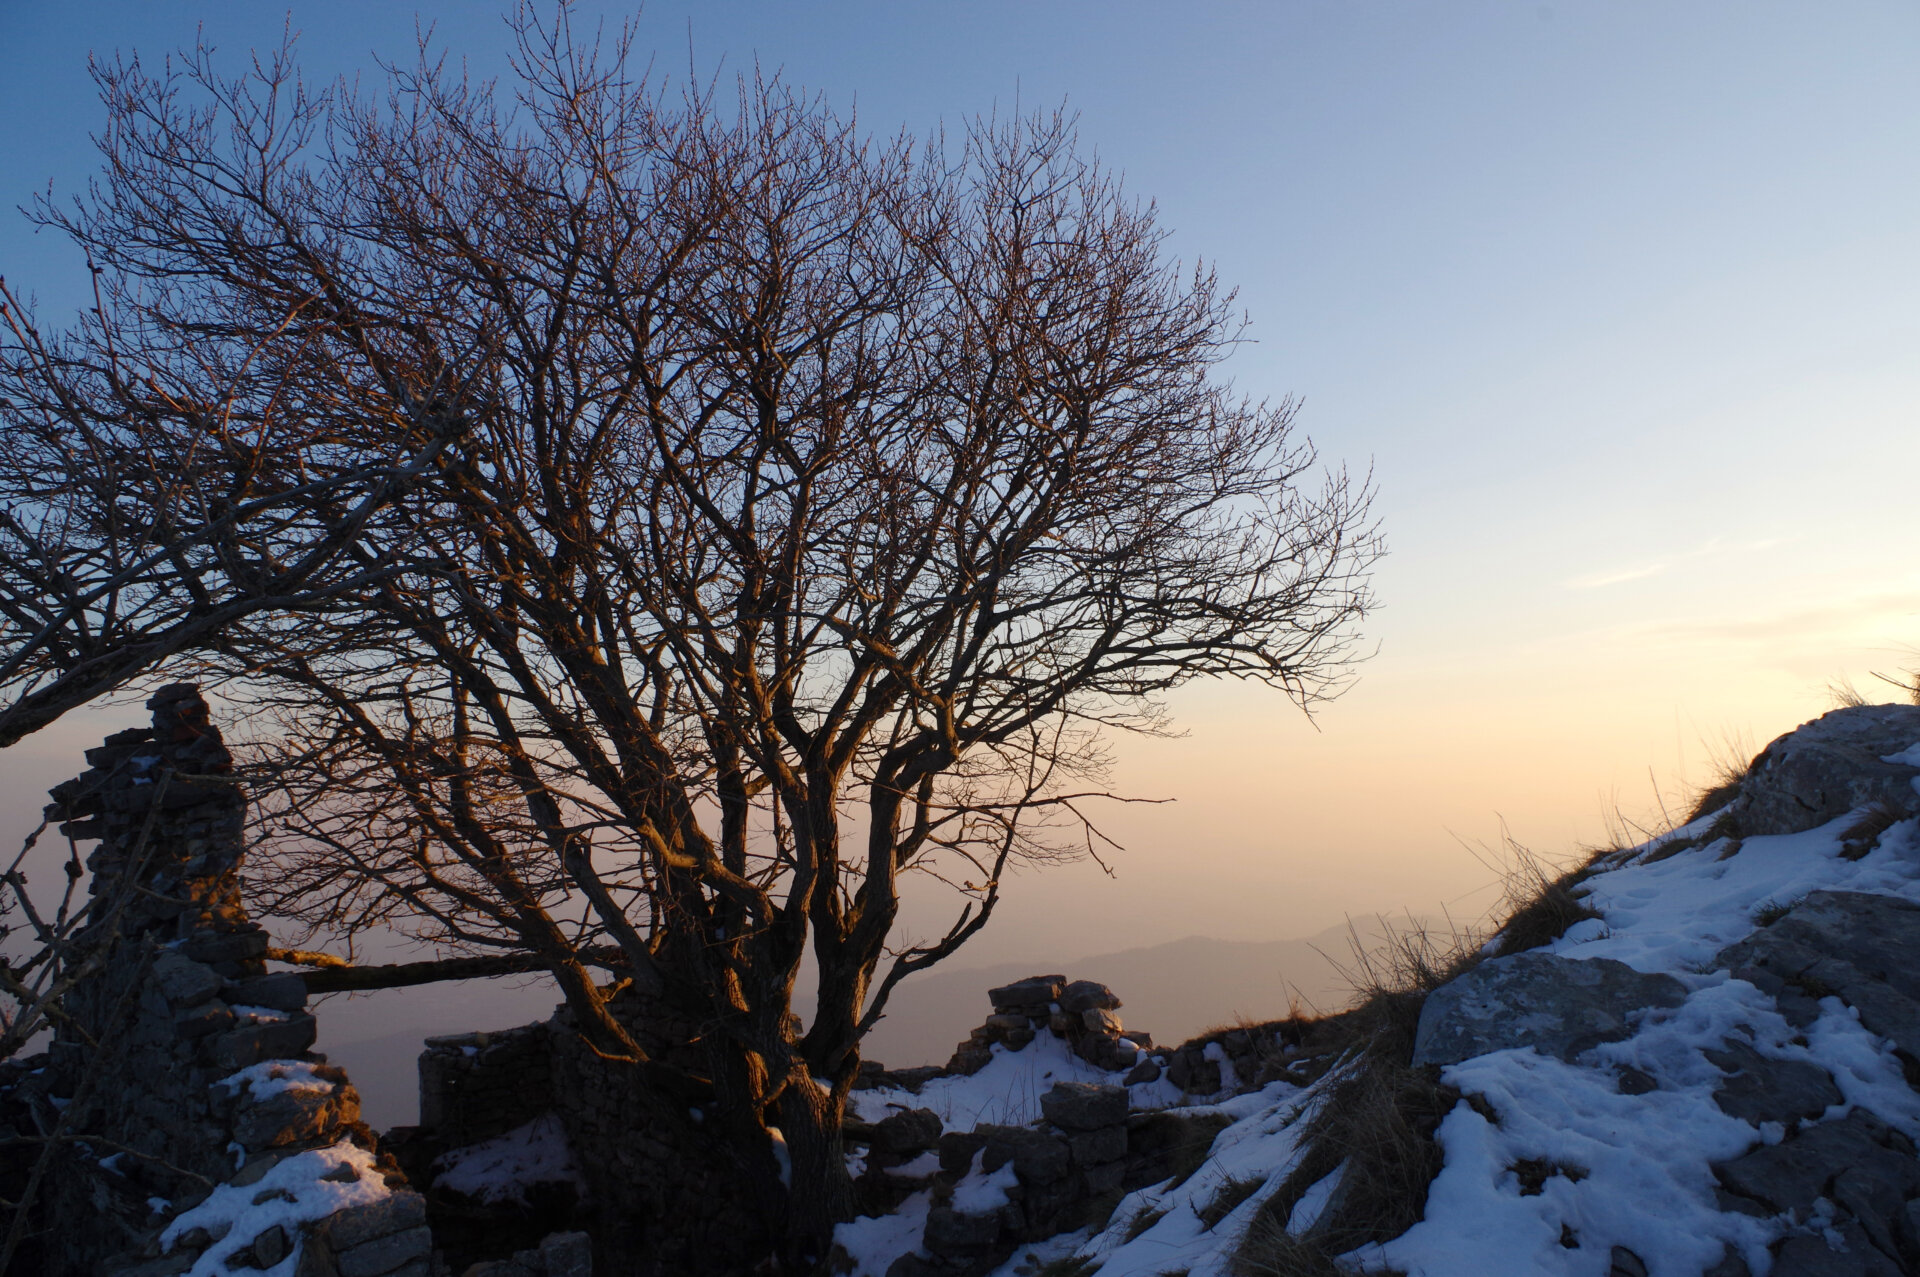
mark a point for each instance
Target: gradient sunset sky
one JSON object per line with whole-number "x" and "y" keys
{"x": 1619, "y": 301}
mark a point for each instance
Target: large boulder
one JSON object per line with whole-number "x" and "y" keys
{"x": 1022, "y": 995}
{"x": 1088, "y": 995}
{"x": 1558, "y": 1006}
{"x": 1829, "y": 767}
{"x": 1863, "y": 947}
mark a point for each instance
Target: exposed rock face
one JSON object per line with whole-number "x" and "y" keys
{"x": 1830, "y": 767}
{"x": 1863, "y": 947}
{"x": 1558, "y": 1006}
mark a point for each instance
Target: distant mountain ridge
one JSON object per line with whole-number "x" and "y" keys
{"x": 1173, "y": 990}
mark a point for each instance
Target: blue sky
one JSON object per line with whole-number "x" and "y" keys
{"x": 1617, "y": 300}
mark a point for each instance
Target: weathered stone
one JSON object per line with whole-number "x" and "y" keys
{"x": 969, "y": 1059}
{"x": 231, "y": 946}
{"x": 183, "y": 981}
{"x": 270, "y": 1247}
{"x": 952, "y": 1232}
{"x": 1017, "y": 1039}
{"x": 1084, "y": 1106}
{"x": 1806, "y": 1256}
{"x": 1861, "y": 946}
{"x": 272, "y": 1040}
{"x": 211, "y": 1016}
{"x": 358, "y": 1225}
{"x": 1147, "y": 1070}
{"x": 1104, "y": 1178}
{"x": 1762, "y": 1089}
{"x": 1087, "y": 995}
{"x": 1793, "y": 1174}
{"x": 1101, "y": 1020}
{"x": 258, "y": 1164}
{"x": 1829, "y": 767}
{"x": 281, "y": 991}
{"x": 1035, "y": 990}
{"x": 287, "y": 1117}
{"x": 912, "y": 1131}
{"x": 1624, "y": 1263}
{"x": 567, "y": 1254}
{"x": 957, "y": 1149}
{"x": 1037, "y": 1157}
{"x": 1104, "y": 1145}
{"x": 383, "y": 1255}
{"x": 1558, "y": 1006}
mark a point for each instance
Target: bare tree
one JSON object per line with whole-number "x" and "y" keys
{"x": 785, "y": 510}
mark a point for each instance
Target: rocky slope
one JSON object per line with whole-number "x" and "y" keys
{"x": 1713, "y": 1074}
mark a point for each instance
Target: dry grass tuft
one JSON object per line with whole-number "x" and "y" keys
{"x": 1271, "y": 1251}
{"x": 1863, "y": 835}
{"x": 1142, "y": 1222}
{"x": 1541, "y": 903}
{"x": 1731, "y": 763}
{"x": 1226, "y": 1197}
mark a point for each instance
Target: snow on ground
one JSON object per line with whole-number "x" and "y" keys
{"x": 1639, "y": 1167}
{"x": 294, "y": 1192}
{"x": 1007, "y": 1091}
{"x": 501, "y": 1169}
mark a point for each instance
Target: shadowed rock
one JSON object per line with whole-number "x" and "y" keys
{"x": 1558, "y": 1006}
{"x": 1829, "y": 767}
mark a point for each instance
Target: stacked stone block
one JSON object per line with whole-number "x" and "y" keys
{"x": 1083, "y": 1012}
{"x": 144, "y": 1063}
{"x": 474, "y": 1086}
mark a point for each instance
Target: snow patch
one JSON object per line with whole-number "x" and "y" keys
{"x": 502, "y": 1169}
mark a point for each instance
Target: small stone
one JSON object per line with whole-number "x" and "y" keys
{"x": 1148, "y": 1070}
{"x": 1624, "y": 1263}
{"x": 270, "y": 1247}
{"x": 1632, "y": 1081}
{"x": 258, "y": 1164}
{"x": 1762, "y": 1089}
{"x": 1102, "y": 1021}
{"x": 342, "y": 1174}
{"x": 183, "y": 981}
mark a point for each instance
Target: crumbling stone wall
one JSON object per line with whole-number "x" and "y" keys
{"x": 474, "y": 1086}
{"x": 138, "y": 1092}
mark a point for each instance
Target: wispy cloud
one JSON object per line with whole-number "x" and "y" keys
{"x": 1600, "y": 580}
{"x": 1620, "y": 576}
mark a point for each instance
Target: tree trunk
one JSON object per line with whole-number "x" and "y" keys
{"x": 820, "y": 1193}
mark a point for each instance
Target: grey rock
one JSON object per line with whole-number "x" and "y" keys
{"x": 1558, "y": 1006}
{"x": 1017, "y": 1039}
{"x": 1624, "y": 1263}
{"x": 211, "y": 1016}
{"x": 1104, "y": 1145}
{"x": 230, "y": 946}
{"x": 1148, "y": 1070}
{"x": 183, "y": 981}
{"x": 957, "y": 1149}
{"x": 1632, "y": 1081}
{"x": 1861, "y": 946}
{"x": 281, "y": 991}
{"x": 1762, "y": 1089}
{"x": 1086, "y": 995}
{"x": 274, "y": 1040}
{"x": 1037, "y": 1157}
{"x": 1791, "y": 1175}
{"x": 910, "y": 1132}
{"x": 969, "y": 1060}
{"x": 291, "y": 1116}
{"x": 567, "y": 1254}
{"x": 1035, "y": 990}
{"x": 1806, "y": 1256}
{"x": 270, "y": 1247}
{"x": 358, "y": 1225}
{"x": 1084, "y": 1106}
{"x": 383, "y": 1255}
{"x": 258, "y": 1164}
{"x": 952, "y": 1232}
{"x": 1102, "y": 1021}
{"x": 1003, "y": 1022}
{"x": 1828, "y": 767}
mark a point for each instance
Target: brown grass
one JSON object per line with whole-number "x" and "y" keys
{"x": 1226, "y": 1197}
{"x": 1863, "y": 835}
